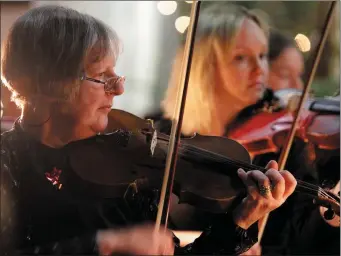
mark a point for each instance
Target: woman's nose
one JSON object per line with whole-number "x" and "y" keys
{"x": 116, "y": 92}
{"x": 115, "y": 85}
{"x": 259, "y": 67}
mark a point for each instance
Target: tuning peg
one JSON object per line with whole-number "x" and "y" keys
{"x": 329, "y": 214}
{"x": 328, "y": 184}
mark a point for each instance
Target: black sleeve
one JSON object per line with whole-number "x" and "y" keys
{"x": 222, "y": 237}
{"x": 79, "y": 245}
{"x": 310, "y": 234}
{"x": 9, "y": 201}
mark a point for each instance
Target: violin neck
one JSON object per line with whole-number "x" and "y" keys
{"x": 209, "y": 158}
{"x": 308, "y": 189}
{"x": 316, "y": 192}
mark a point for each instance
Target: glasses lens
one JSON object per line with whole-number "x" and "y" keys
{"x": 115, "y": 85}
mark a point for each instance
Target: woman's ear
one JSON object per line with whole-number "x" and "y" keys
{"x": 36, "y": 111}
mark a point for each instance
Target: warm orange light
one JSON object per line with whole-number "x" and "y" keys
{"x": 303, "y": 42}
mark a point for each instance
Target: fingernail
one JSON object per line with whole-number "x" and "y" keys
{"x": 240, "y": 170}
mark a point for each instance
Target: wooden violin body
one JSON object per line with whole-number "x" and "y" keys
{"x": 108, "y": 165}
{"x": 124, "y": 159}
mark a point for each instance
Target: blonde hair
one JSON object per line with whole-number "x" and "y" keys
{"x": 215, "y": 35}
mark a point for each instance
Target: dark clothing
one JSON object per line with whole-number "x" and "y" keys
{"x": 47, "y": 208}
{"x": 307, "y": 232}
{"x": 311, "y": 234}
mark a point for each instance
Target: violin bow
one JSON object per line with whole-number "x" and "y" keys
{"x": 168, "y": 179}
{"x": 286, "y": 149}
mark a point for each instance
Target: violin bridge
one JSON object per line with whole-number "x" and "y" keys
{"x": 153, "y": 143}
{"x": 152, "y": 137}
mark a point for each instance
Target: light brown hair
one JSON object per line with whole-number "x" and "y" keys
{"x": 46, "y": 49}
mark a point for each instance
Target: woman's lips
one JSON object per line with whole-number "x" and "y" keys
{"x": 257, "y": 85}
{"x": 107, "y": 108}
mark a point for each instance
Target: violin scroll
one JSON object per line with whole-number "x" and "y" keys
{"x": 330, "y": 199}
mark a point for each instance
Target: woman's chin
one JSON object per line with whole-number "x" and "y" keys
{"x": 256, "y": 96}
{"x": 101, "y": 124}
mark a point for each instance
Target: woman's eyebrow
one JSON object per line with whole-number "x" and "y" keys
{"x": 93, "y": 69}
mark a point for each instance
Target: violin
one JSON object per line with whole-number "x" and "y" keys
{"x": 131, "y": 154}
{"x": 266, "y": 132}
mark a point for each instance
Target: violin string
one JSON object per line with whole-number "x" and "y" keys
{"x": 317, "y": 191}
{"x": 304, "y": 189}
{"x": 214, "y": 156}
{"x": 320, "y": 189}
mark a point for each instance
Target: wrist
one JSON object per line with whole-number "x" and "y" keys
{"x": 239, "y": 219}
{"x": 244, "y": 214}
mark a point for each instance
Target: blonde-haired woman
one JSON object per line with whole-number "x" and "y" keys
{"x": 228, "y": 77}
{"x": 228, "y": 73}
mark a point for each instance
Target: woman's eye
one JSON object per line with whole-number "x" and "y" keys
{"x": 101, "y": 75}
{"x": 239, "y": 57}
{"x": 263, "y": 56}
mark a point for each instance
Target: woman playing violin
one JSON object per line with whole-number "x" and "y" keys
{"x": 65, "y": 84}
{"x": 229, "y": 73}
{"x": 299, "y": 226}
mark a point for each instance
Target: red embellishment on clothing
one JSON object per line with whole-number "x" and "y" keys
{"x": 53, "y": 177}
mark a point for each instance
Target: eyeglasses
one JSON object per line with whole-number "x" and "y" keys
{"x": 114, "y": 85}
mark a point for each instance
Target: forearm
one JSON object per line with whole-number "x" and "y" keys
{"x": 110, "y": 241}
